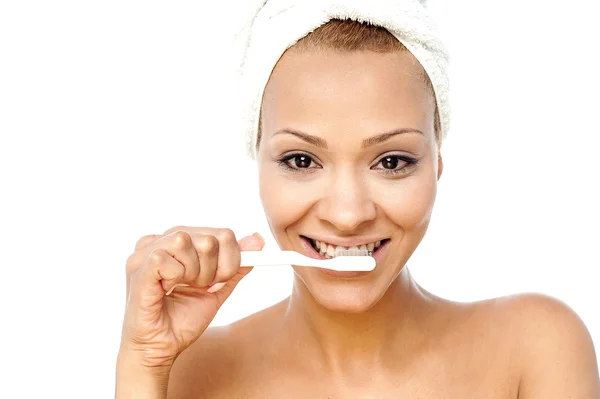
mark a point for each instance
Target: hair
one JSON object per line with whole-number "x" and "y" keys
{"x": 349, "y": 35}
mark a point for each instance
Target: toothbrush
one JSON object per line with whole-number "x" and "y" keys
{"x": 344, "y": 261}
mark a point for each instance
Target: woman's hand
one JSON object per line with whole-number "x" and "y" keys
{"x": 158, "y": 327}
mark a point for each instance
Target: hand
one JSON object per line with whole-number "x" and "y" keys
{"x": 158, "y": 326}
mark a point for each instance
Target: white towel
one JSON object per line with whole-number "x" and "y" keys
{"x": 272, "y": 26}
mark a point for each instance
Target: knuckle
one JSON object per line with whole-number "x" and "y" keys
{"x": 226, "y": 236}
{"x": 145, "y": 241}
{"x": 208, "y": 244}
{"x": 227, "y": 273}
{"x": 132, "y": 263}
{"x": 182, "y": 239}
{"x": 157, "y": 257}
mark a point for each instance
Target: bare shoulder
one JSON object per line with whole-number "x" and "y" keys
{"x": 216, "y": 361}
{"x": 552, "y": 347}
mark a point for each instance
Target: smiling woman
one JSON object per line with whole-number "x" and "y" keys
{"x": 347, "y": 142}
{"x": 349, "y": 169}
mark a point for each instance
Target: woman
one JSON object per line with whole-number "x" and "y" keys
{"x": 348, "y": 151}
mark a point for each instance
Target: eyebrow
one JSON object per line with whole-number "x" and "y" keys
{"x": 371, "y": 141}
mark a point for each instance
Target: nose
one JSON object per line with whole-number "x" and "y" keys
{"x": 346, "y": 203}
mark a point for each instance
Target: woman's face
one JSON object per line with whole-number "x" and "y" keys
{"x": 348, "y": 157}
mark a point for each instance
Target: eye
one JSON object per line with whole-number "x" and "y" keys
{"x": 297, "y": 161}
{"x": 390, "y": 162}
{"x": 395, "y": 164}
{"x": 302, "y": 161}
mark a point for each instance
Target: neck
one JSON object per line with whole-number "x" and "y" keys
{"x": 337, "y": 341}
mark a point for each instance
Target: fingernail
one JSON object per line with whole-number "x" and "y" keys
{"x": 256, "y": 243}
{"x": 175, "y": 286}
{"x": 216, "y": 287}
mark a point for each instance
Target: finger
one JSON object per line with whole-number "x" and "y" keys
{"x": 250, "y": 243}
{"x": 207, "y": 247}
{"x": 135, "y": 260}
{"x": 175, "y": 286}
{"x": 180, "y": 245}
{"x": 255, "y": 242}
{"x": 224, "y": 289}
{"x": 145, "y": 241}
{"x": 158, "y": 275}
{"x": 193, "y": 229}
{"x": 229, "y": 256}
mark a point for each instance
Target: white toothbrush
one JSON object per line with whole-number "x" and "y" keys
{"x": 344, "y": 261}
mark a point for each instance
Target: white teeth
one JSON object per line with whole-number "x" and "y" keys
{"x": 332, "y": 250}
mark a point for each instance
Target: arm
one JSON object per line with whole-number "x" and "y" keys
{"x": 556, "y": 350}
{"x": 204, "y": 370}
{"x": 136, "y": 381}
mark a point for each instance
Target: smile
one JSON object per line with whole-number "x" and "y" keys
{"x": 330, "y": 250}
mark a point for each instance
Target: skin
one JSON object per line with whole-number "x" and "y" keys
{"x": 379, "y": 335}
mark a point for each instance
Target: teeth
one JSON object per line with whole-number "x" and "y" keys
{"x": 329, "y": 250}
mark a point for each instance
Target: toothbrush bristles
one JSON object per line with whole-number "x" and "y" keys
{"x": 354, "y": 252}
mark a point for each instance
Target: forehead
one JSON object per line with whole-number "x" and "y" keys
{"x": 329, "y": 86}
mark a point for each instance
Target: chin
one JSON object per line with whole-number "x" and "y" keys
{"x": 354, "y": 295}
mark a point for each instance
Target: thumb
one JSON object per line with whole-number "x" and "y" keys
{"x": 255, "y": 242}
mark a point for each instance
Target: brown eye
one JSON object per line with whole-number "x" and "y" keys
{"x": 298, "y": 162}
{"x": 392, "y": 165}
{"x": 302, "y": 161}
{"x": 389, "y": 162}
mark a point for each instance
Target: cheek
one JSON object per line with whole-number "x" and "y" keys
{"x": 285, "y": 200}
{"x": 409, "y": 202}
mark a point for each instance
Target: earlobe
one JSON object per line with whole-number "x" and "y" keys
{"x": 440, "y": 166}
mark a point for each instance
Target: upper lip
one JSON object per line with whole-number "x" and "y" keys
{"x": 347, "y": 242}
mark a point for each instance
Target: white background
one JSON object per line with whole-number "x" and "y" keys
{"x": 114, "y": 124}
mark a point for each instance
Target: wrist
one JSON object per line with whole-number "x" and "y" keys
{"x": 134, "y": 379}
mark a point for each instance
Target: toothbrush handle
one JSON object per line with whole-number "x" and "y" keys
{"x": 260, "y": 258}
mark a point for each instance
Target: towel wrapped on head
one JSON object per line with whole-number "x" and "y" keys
{"x": 273, "y": 26}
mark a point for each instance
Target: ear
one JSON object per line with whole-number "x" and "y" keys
{"x": 440, "y": 165}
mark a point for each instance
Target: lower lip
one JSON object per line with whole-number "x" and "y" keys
{"x": 333, "y": 273}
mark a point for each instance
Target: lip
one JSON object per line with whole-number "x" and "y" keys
{"x": 312, "y": 253}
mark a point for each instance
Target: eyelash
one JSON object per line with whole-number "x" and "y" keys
{"x": 283, "y": 162}
{"x": 410, "y": 163}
